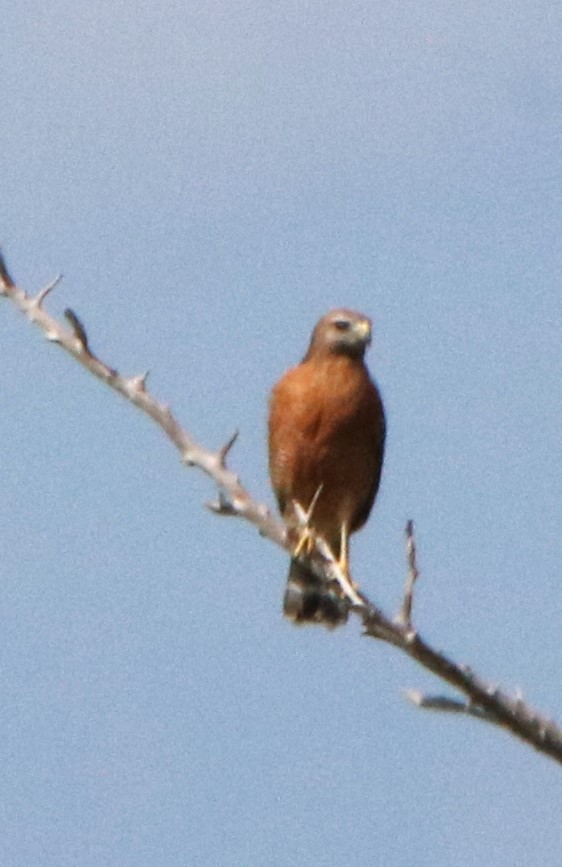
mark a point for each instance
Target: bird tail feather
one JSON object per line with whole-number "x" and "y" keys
{"x": 309, "y": 599}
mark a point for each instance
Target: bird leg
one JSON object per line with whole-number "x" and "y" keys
{"x": 307, "y": 538}
{"x": 340, "y": 566}
{"x": 343, "y": 559}
{"x": 343, "y": 562}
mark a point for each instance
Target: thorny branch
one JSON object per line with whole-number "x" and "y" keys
{"x": 481, "y": 699}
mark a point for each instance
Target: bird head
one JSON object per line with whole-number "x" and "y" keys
{"x": 341, "y": 332}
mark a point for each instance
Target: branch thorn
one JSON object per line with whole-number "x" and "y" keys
{"x": 224, "y": 450}
{"x": 5, "y": 278}
{"x": 222, "y": 506}
{"x": 138, "y": 383}
{"x": 78, "y": 329}
{"x": 37, "y": 302}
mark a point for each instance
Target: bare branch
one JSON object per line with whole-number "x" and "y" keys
{"x": 484, "y": 701}
{"x": 448, "y": 705}
{"x": 491, "y": 703}
{"x": 405, "y": 615}
{"x": 134, "y": 389}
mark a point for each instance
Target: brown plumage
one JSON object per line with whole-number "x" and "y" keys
{"x": 326, "y": 438}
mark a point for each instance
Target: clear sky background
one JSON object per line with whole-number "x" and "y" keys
{"x": 211, "y": 177}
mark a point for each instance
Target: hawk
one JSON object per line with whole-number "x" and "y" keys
{"x": 326, "y": 447}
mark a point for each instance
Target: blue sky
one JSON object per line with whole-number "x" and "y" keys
{"x": 211, "y": 178}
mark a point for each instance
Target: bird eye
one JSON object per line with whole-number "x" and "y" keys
{"x": 341, "y": 324}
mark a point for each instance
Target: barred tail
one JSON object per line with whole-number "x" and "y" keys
{"x": 308, "y": 599}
